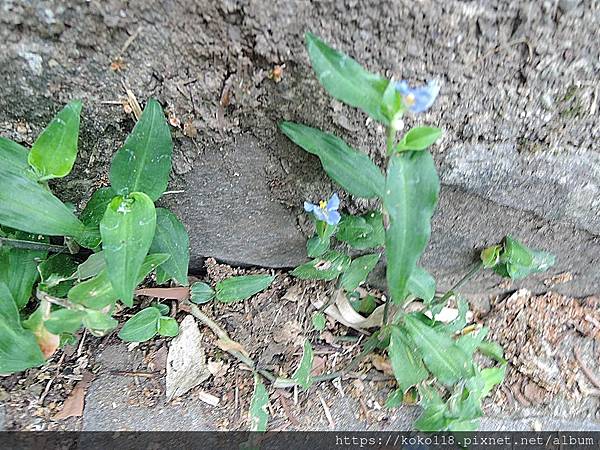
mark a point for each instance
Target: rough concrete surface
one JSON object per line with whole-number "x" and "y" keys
{"x": 518, "y": 105}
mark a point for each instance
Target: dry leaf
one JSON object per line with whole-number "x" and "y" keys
{"x": 186, "y": 362}
{"x": 175, "y": 293}
{"x": 343, "y": 312}
{"x": 382, "y": 364}
{"x": 231, "y": 345}
{"x": 73, "y": 406}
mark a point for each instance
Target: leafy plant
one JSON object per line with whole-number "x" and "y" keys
{"x": 432, "y": 361}
{"x": 128, "y": 238}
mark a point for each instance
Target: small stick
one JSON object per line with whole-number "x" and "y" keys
{"x": 327, "y": 412}
{"x": 588, "y": 373}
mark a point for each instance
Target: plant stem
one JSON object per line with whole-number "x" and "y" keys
{"x": 28, "y": 245}
{"x": 470, "y": 274}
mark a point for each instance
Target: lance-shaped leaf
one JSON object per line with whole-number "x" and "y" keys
{"x": 91, "y": 266}
{"x": 143, "y": 163}
{"x": 54, "y": 151}
{"x": 201, "y": 293}
{"x": 18, "y": 267}
{"x": 407, "y": 364}
{"x": 243, "y": 287}
{"x": 411, "y": 194}
{"x": 127, "y": 230}
{"x": 345, "y": 79}
{"x": 258, "y": 414}
{"x": 92, "y": 215}
{"x": 142, "y": 326}
{"x": 358, "y": 271}
{"x": 26, "y": 205}
{"x": 18, "y": 347}
{"x": 352, "y": 170}
{"x": 419, "y": 138}
{"x": 302, "y": 374}
{"x": 64, "y": 321}
{"x": 172, "y": 238}
{"x": 13, "y": 156}
{"x": 446, "y": 361}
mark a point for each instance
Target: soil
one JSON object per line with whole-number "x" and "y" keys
{"x": 550, "y": 342}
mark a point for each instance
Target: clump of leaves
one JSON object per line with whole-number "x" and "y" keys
{"x": 125, "y": 235}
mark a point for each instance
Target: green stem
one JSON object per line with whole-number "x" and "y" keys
{"x": 28, "y": 245}
{"x": 470, "y": 274}
{"x": 390, "y": 134}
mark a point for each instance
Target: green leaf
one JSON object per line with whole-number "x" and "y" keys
{"x": 91, "y": 266}
{"x": 201, "y": 293}
{"x": 97, "y": 292}
{"x": 316, "y": 246}
{"x": 490, "y": 256}
{"x": 57, "y": 274}
{"x": 18, "y": 267}
{"x": 352, "y": 170}
{"x": 18, "y": 347}
{"x": 518, "y": 261}
{"x": 421, "y": 284}
{"x": 172, "y": 238}
{"x": 127, "y": 229}
{"x": 328, "y": 267}
{"x": 143, "y": 163}
{"x": 419, "y": 138}
{"x": 98, "y": 323}
{"x": 492, "y": 350}
{"x": 168, "y": 327}
{"x": 240, "y": 288}
{"x": 364, "y": 306}
{"x": 319, "y": 321}
{"x": 54, "y": 151}
{"x": 434, "y": 415}
{"x": 358, "y": 271}
{"x": 258, "y": 414}
{"x": 13, "y": 156}
{"x": 412, "y": 188}
{"x": 92, "y": 215}
{"x": 362, "y": 232}
{"x": 302, "y": 374}
{"x": 141, "y": 327}
{"x": 407, "y": 364}
{"x": 446, "y": 361}
{"x": 26, "y": 205}
{"x": 345, "y": 79}
{"x": 492, "y": 377}
{"x": 64, "y": 321}
{"x": 395, "y": 399}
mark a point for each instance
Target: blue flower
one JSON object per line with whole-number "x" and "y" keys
{"x": 326, "y": 212}
{"x": 418, "y": 99}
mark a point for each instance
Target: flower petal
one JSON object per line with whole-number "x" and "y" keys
{"x": 333, "y": 203}
{"x": 425, "y": 96}
{"x": 320, "y": 214}
{"x": 402, "y": 87}
{"x": 309, "y": 207}
{"x": 334, "y": 218}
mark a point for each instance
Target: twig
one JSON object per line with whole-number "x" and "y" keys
{"x": 43, "y": 296}
{"x": 134, "y": 374}
{"x": 51, "y": 381}
{"x": 588, "y": 373}
{"x": 327, "y": 412}
{"x": 28, "y": 245}
{"x": 130, "y": 40}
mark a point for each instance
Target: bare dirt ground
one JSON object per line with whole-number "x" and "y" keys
{"x": 550, "y": 341}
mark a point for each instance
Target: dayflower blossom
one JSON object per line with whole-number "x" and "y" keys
{"x": 418, "y": 99}
{"x": 326, "y": 212}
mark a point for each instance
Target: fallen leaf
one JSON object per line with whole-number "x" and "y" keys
{"x": 217, "y": 368}
{"x": 186, "y": 361}
{"x": 175, "y": 293}
{"x": 382, "y": 364}
{"x": 73, "y": 406}
{"x": 231, "y": 345}
{"x": 343, "y": 312}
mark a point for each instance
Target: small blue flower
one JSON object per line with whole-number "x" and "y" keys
{"x": 418, "y": 99}
{"x": 326, "y": 212}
